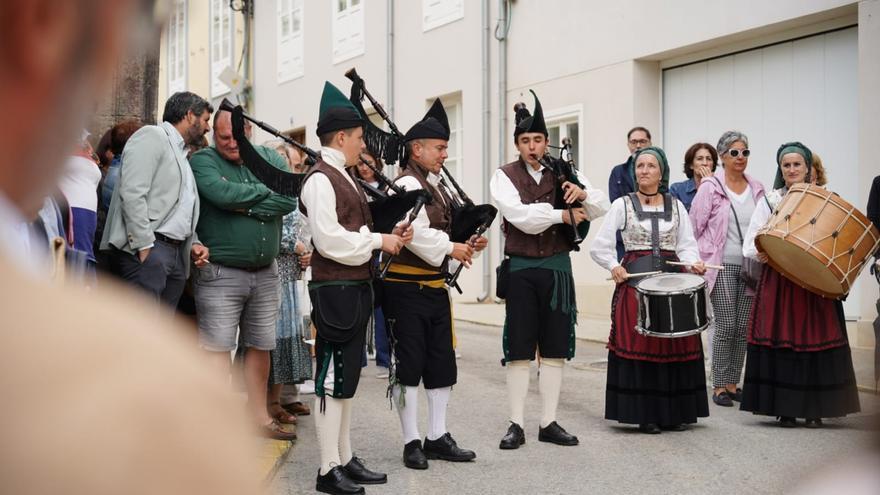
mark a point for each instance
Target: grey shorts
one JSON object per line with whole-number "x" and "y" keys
{"x": 229, "y": 299}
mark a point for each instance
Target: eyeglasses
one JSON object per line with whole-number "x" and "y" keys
{"x": 639, "y": 142}
{"x": 735, "y": 153}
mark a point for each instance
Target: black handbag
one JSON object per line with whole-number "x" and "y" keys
{"x": 502, "y": 279}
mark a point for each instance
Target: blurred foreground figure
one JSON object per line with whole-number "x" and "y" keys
{"x": 99, "y": 397}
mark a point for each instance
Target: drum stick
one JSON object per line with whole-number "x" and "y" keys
{"x": 634, "y": 275}
{"x": 682, "y": 263}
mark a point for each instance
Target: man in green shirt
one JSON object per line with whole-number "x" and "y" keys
{"x": 240, "y": 220}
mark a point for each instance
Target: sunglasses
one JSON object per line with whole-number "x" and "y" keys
{"x": 735, "y": 153}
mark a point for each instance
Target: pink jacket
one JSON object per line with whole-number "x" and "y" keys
{"x": 709, "y": 213}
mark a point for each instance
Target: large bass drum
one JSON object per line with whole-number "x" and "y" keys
{"x": 818, "y": 240}
{"x": 672, "y": 305}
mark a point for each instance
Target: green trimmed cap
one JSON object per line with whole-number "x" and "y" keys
{"x": 336, "y": 111}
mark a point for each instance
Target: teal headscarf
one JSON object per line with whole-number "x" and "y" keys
{"x": 657, "y": 153}
{"x": 792, "y": 147}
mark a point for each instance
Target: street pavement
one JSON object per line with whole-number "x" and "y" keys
{"x": 729, "y": 452}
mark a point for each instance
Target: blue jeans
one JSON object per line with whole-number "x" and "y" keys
{"x": 383, "y": 346}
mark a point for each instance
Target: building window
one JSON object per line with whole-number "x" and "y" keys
{"x": 436, "y": 13}
{"x": 222, "y": 39}
{"x": 289, "y": 32}
{"x": 348, "y": 29}
{"x": 177, "y": 48}
{"x": 453, "y": 113}
{"x": 564, "y": 123}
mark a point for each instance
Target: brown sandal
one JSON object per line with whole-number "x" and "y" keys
{"x": 280, "y": 415}
{"x": 297, "y": 408}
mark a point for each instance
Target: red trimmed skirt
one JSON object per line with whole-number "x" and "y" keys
{"x": 788, "y": 316}
{"x": 626, "y": 342}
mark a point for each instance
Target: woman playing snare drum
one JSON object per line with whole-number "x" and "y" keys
{"x": 799, "y": 363}
{"x": 656, "y": 383}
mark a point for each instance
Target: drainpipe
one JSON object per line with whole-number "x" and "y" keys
{"x": 501, "y": 31}
{"x": 389, "y": 69}
{"x": 487, "y": 154}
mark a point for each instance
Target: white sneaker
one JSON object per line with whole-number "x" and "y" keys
{"x": 457, "y": 354}
{"x": 382, "y": 374}
{"x": 307, "y": 387}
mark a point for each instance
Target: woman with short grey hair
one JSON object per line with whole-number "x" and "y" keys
{"x": 720, "y": 214}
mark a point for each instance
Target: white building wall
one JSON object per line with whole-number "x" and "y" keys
{"x": 604, "y": 57}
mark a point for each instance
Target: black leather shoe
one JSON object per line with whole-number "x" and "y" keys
{"x": 358, "y": 473}
{"x": 787, "y": 422}
{"x": 554, "y": 433}
{"x": 514, "y": 437}
{"x": 813, "y": 423}
{"x": 337, "y": 483}
{"x": 677, "y": 427}
{"x": 649, "y": 428}
{"x": 414, "y": 456}
{"x": 446, "y": 449}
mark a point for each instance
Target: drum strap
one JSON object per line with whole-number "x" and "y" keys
{"x": 654, "y": 216}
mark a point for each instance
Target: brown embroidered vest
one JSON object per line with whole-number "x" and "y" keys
{"x": 439, "y": 214}
{"x": 553, "y": 240}
{"x": 352, "y": 213}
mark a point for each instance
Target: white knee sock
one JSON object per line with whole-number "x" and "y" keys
{"x": 517, "y": 389}
{"x": 345, "y": 432}
{"x": 549, "y": 384}
{"x": 409, "y": 413}
{"x": 438, "y": 399}
{"x": 327, "y": 426}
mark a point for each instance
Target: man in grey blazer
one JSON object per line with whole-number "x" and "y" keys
{"x": 151, "y": 223}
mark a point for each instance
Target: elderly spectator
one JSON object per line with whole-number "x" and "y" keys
{"x": 700, "y": 162}
{"x": 151, "y": 224}
{"x": 239, "y": 289}
{"x": 620, "y": 182}
{"x": 291, "y": 359}
{"x": 720, "y": 214}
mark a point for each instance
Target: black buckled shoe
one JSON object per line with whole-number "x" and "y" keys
{"x": 446, "y": 449}
{"x": 414, "y": 456}
{"x": 554, "y": 433}
{"x": 787, "y": 422}
{"x": 336, "y": 482}
{"x": 514, "y": 437}
{"x": 649, "y": 428}
{"x": 358, "y": 473}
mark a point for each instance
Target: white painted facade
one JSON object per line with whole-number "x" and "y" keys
{"x": 599, "y": 68}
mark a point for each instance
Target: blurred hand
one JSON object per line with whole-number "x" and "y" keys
{"x": 404, "y": 231}
{"x": 699, "y": 267}
{"x": 391, "y": 243}
{"x": 305, "y": 260}
{"x": 762, "y": 257}
{"x": 199, "y": 254}
{"x": 143, "y": 254}
{"x": 619, "y": 274}
{"x": 573, "y": 193}
{"x": 579, "y": 216}
{"x": 463, "y": 253}
{"x": 478, "y": 243}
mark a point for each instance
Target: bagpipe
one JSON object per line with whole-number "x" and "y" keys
{"x": 565, "y": 170}
{"x": 386, "y": 210}
{"x": 468, "y": 219}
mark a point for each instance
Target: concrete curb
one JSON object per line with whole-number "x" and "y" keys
{"x": 272, "y": 456}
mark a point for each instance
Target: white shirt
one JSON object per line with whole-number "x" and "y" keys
{"x": 80, "y": 183}
{"x": 15, "y": 239}
{"x": 604, "y": 248}
{"x": 535, "y": 218}
{"x": 330, "y": 238}
{"x": 429, "y": 244}
{"x": 178, "y": 225}
{"x": 759, "y": 220}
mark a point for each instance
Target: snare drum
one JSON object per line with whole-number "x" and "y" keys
{"x": 672, "y": 305}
